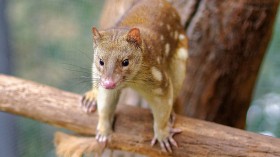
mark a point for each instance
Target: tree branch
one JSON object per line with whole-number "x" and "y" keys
{"x": 133, "y": 125}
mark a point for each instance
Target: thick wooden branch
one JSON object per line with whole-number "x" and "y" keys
{"x": 133, "y": 125}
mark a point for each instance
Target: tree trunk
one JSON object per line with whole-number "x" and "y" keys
{"x": 227, "y": 42}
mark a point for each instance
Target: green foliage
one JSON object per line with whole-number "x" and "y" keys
{"x": 270, "y": 71}
{"x": 47, "y": 34}
{"x": 51, "y": 41}
{"x": 263, "y": 113}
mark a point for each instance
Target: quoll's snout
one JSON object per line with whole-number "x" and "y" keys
{"x": 108, "y": 83}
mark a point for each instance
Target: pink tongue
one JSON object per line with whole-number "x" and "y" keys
{"x": 108, "y": 84}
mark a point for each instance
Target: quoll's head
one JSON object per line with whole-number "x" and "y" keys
{"x": 117, "y": 55}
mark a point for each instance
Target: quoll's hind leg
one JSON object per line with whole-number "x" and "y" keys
{"x": 164, "y": 121}
{"x": 89, "y": 102}
{"x": 167, "y": 141}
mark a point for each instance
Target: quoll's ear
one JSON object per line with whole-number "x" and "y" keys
{"x": 96, "y": 35}
{"x": 133, "y": 36}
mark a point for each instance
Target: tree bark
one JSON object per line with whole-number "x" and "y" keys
{"x": 227, "y": 42}
{"x": 133, "y": 125}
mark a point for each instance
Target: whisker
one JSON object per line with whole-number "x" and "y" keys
{"x": 73, "y": 65}
{"x": 86, "y": 55}
{"x": 84, "y": 81}
{"x": 81, "y": 86}
{"x": 81, "y": 79}
{"x": 74, "y": 70}
{"x": 85, "y": 77}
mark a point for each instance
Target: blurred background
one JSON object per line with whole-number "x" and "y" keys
{"x": 50, "y": 42}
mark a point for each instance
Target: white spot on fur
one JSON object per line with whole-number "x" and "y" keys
{"x": 156, "y": 73}
{"x": 167, "y": 49}
{"x": 158, "y": 91}
{"x": 175, "y": 34}
{"x": 170, "y": 101}
{"x": 181, "y": 36}
{"x": 158, "y": 60}
{"x": 160, "y": 23}
{"x": 182, "y": 53}
{"x": 168, "y": 27}
{"x": 161, "y": 37}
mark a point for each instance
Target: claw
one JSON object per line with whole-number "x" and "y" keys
{"x": 91, "y": 106}
{"x": 175, "y": 131}
{"x": 102, "y": 140}
{"x": 168, "y": 141}
{"x": 167, "y": 145}
{"x": 82, "y": 100}
{"x": 173, "y": 142}
{"x": 88, "y": 104}
{"x": 154, "y": 141}
{"x": 163, "y": 147}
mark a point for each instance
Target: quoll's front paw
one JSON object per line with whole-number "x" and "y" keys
{"x": 103, "y": 131}
{"x": 166, "y": 142}
{"x": 88, "y": 102}
{"x": 101, "y": 138}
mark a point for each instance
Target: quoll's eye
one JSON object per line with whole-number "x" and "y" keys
{"x": 125, "y": 63}
{"x": 101, "y": 62}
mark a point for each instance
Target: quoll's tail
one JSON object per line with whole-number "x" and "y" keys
{"x": 74, "y": 146}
